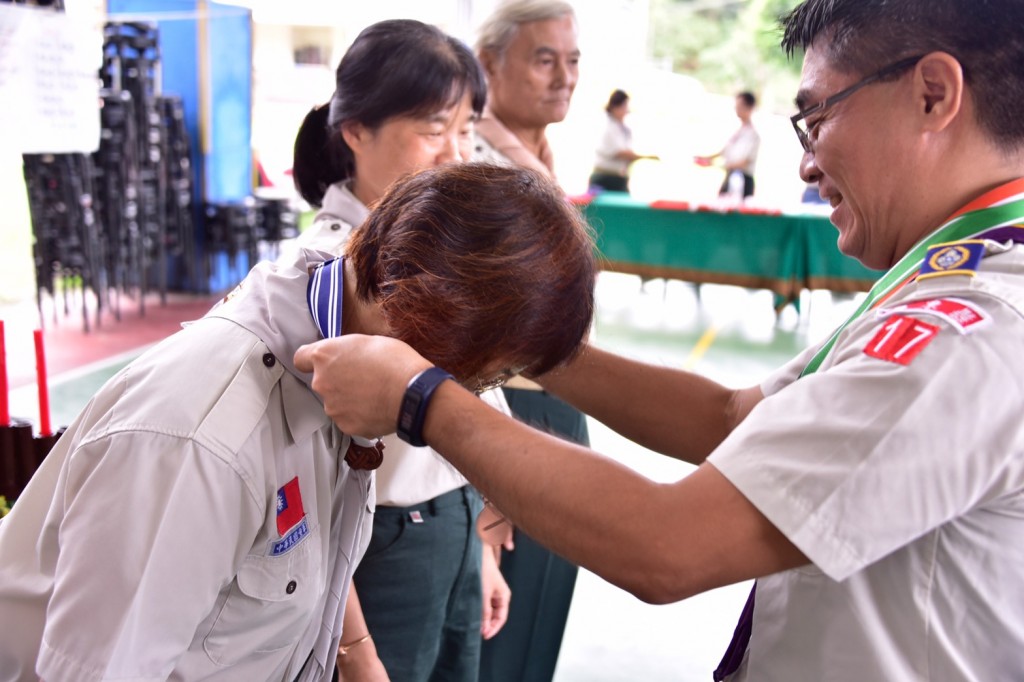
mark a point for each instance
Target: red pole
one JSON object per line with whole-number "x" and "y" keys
{"x": 5, "y": 410}
{"x": 44, "y": 394}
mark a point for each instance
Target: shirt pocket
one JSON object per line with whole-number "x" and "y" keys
{"x": 270, "y": 603}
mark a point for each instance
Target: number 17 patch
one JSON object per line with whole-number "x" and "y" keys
{"x": 900, "y": 339}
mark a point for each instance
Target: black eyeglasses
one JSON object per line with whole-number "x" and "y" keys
{"x": 803, "y": 130}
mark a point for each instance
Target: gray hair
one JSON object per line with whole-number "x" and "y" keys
{"x": 500, "y": 27}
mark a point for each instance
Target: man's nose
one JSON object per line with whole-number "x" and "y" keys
{"x": 809, "y": 171}
{"x": 565, "y": 75}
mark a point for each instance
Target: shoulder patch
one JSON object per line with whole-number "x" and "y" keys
{"x": 957, "y": 258}
{"x": 900, "y": 339}
{"x": 963, "y": 316}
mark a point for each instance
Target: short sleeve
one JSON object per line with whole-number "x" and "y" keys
{"x": 856, "y": 461}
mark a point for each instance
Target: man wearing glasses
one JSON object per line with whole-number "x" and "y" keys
{"x": 874, "y": 486}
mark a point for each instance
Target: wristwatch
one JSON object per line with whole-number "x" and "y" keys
{"x": 413, "y": 411}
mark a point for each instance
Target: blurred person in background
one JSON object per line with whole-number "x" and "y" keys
{"x": 615, "y": 153}
{"x": 739, "y": 155}
{"x": 529, "y": 52}
{"x": 406, "y": 99}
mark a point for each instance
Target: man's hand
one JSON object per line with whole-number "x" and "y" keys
{"x": 361, "y": 380}
{"x": 497, "y": 595}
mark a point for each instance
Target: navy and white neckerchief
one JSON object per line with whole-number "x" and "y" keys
{"x": 324, "y": 296}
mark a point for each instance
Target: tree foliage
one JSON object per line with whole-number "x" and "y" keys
{"x": 729, "y": 45}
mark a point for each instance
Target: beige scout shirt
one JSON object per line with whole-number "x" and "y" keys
{"x": 410, "y": 475}
{"x": 340, "y": 214}
{"x": 904, "y": 486}
{"x": 149, "y": 545}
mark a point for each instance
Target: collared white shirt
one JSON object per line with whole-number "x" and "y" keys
{"x": 742, "y": 147}
{"x": 617, "y": 138}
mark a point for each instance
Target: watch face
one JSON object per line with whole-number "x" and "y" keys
{"x": 414, "y": 404}
{"x": 407, "y": 413}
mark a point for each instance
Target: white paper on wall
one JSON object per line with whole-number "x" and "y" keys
{"x": 49, "y": 82}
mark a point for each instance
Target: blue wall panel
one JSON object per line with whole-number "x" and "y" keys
{"x": 217, "y": 76}
{"x": 229, "y": 159}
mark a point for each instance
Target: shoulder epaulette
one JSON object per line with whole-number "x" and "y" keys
{"x": 953, "y": 258}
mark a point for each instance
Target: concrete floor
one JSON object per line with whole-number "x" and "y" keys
{"x": 729, "y": 334}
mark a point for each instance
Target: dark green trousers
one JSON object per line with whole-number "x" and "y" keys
{"x": 419, "y": 586}
{"x": 526, "y": 649}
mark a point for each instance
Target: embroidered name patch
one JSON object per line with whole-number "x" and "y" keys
{"x": 960, "y": 258}
{"x": 963, "y": 316}
{"x": 291, "y": 539}
{"x": 901, "y": 339}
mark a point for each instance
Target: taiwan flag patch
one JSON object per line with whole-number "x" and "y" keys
{"x": 289, "y": 507}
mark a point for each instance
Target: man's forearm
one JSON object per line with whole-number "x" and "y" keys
{"x": 661, "y": 542}
{"x": 671, "y": 411}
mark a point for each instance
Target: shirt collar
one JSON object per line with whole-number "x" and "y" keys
{"x": 511, "y": 147}
{"x": 269, "y": 303}
{"x": 340, "y": 204}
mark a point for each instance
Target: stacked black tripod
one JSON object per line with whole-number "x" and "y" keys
{"x": 116, "y": 221}
{"x": 124, "y": 221}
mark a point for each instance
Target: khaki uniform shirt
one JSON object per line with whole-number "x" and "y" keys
{"x": 898, "y": 470}
{"x": 197, "y": 520}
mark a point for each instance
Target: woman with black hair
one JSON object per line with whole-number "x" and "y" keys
{"x": 406, "y": 99}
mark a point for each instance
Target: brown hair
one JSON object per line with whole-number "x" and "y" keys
{"x": 475, "y": 263}
{"x": 616, "y": 99}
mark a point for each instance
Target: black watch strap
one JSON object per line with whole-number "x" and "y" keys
{"x": 413, "y": 411}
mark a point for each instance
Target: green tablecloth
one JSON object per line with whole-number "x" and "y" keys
{"x": 783, "y": 253}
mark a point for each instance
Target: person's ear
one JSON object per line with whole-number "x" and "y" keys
{"x": 356, "y": 135}
{"x": 489, "y": 61}
{"x": 939, "y": 89}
